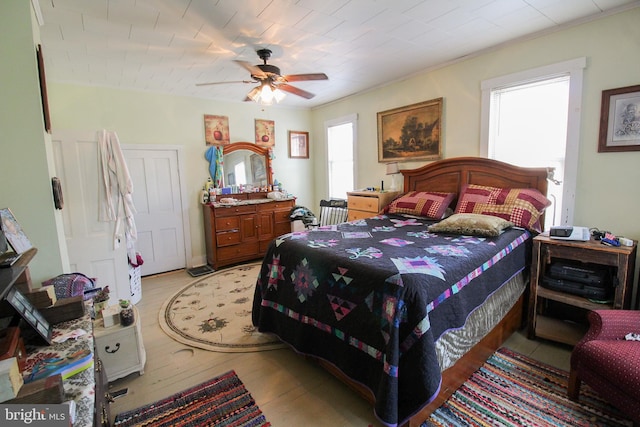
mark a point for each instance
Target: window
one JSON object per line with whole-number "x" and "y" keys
{"x": 341, "y": 137}
{"x": 532, "y": 119}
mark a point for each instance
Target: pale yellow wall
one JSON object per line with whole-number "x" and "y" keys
{"x": 607, "y": 194}
{"x": 146, "y": 118}
{"x": 605, "y": 180}
{"x": 25, "y": 147}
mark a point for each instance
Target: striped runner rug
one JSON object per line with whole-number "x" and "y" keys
{"x": 514, "y": 390}
{"x": 223, "y": 401}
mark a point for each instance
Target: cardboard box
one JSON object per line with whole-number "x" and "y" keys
{"x": 10, "y": 379}
{"x": 111, "y": 316}
{"x": 64, "y": 309}
{"x": 42, "y": 297}
{"x": 45, "y": 390}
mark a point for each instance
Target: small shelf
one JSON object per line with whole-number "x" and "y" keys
{"x": 559, "y": 330}
{"x": 574, "y": 300}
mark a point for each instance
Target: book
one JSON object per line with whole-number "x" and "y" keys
{"x": 64, "y": 366}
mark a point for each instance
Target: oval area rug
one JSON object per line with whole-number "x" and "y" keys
{"x": 214, "y": 313}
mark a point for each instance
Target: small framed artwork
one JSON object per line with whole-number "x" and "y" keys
{"x": 411, "y": 132}
{"x": 620, "y": 120}
{"x": 265, "y": 133}
{"x": 216, "y": 130}
{"x": 43, "y": 89}
{"x": 13, "y": 232}
{"x": 30, "y": 314}
{"x": 298, "y": 144}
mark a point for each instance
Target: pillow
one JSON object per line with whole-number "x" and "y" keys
{"x": 422, "y": 203}
{"x": 522, "y": 206}
{"x": 71, "y": 285}
{"x": 471, "y": 224}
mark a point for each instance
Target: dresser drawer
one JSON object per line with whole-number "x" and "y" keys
{"x": 281, "y": 216}
{"x": 234, "y": 210}
{"x": 118, "y": 351}
{"x": 227, "y": 238}
{"x": 227, "y": 223}
{"x": 242, "y": 250}
{"x": 362, "y": 203}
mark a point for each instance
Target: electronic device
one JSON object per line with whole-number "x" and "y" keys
{"x": 570, "y": 233}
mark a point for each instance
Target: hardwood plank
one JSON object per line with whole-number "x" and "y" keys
{"x": 288, "y": 388}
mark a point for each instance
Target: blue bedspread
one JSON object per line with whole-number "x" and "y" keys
{"x": 372, "y": 297}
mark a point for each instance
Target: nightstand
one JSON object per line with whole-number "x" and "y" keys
{"x": 120, "y": 348}
{"x": 550, "y": 324}
{"x": 365, "y": 204}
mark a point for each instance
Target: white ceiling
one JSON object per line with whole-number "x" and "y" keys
{"x": 168, "y": 46}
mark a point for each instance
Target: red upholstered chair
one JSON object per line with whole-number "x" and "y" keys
{"x": 607, "y": 362}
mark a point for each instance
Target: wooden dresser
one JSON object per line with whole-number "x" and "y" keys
{"x": 365, "y": 204}
{"x": 242, "y": 231}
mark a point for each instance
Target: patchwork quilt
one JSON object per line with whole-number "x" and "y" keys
{"x": 373, "y": 296}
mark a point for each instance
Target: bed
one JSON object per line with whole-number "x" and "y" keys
{"x": 399, "y": 306}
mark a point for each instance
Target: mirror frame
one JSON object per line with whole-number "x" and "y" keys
{"x": 263, "y": 151}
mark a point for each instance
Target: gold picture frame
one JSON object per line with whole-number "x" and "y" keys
{"x": 620, "y": 120}
{"x": 298, "y": 144}
{"x": 411, "y": 132}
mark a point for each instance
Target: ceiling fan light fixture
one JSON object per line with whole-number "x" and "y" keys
{"x": 266, "y": 94}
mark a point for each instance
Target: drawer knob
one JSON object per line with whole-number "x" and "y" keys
{"x": 107, "y": 348}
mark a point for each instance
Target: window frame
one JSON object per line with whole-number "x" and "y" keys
{"x": 353, "y": 119}
{"x": 574, "y": 69}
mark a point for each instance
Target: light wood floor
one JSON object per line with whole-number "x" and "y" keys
{"x": 288, "y": 389}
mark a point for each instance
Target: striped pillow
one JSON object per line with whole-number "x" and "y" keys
{"x": 521, "y": 206}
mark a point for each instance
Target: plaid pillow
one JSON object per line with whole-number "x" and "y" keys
{"x": 521, "y": 206}
{"x": 421, "y": 203}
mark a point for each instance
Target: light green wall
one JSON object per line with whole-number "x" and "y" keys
{"x": 146, "y": 118}
{"x": 26, "y": 148}
{"x": 605, "y": 180}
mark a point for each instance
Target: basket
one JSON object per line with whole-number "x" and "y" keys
{"x": 135, "y": 283}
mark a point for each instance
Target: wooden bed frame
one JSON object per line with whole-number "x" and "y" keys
{"x": 450, "y": 176}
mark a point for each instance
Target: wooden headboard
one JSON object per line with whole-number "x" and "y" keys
{"x": 451, "y": 175}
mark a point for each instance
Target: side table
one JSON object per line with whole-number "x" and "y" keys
{"x": 120, "y": 348}
{"x": 545, "y": 250}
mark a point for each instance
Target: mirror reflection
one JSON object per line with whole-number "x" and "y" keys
{"x": 244, "y": 167}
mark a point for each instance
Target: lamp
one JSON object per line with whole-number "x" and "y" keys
{"x": 393, "y": 170}
{"x": 265, "y": 94}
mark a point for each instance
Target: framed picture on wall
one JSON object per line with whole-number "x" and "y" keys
{"x": 620, "y": 120}
{"x": 411, "y": 132}
{"x": 298, "y": 144}
{"x": 216, "y": 129}
{"x": 265, "y": 133}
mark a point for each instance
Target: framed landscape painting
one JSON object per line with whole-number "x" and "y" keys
{"x": 411, "y": 132}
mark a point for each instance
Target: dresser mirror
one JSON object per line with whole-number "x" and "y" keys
{"x": 246, "y": 164}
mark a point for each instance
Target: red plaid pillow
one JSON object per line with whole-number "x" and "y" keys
{"x": 421, "y": 203}
{"x": 521, "y": 206}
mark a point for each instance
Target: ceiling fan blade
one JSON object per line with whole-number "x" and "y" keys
{"x": 305, "y": 77}
{"x": 294, "y": 90}
{"x": 224, "y": 83}
{"x": 255, "y": 71}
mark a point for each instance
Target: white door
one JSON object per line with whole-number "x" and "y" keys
{"x": 158, "y": 201}
{"x": 90, "y": 243}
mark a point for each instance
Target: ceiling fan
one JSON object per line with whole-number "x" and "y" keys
{"x": 271, "y": 82}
